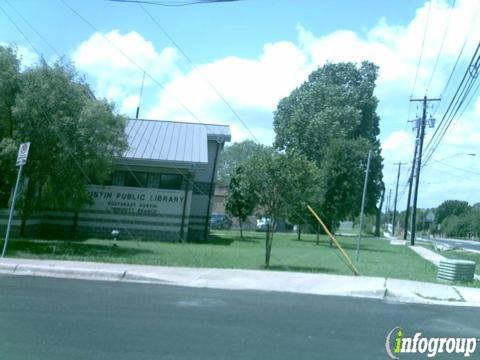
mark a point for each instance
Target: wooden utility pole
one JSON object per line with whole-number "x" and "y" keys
{"x": 396, "y": 198}
{"x": 418, "y": 164}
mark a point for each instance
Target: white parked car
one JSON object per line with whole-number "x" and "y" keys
{"x": 262, "y": 223}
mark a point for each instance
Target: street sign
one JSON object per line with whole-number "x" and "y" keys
{"x": 23, "y": 154}
{"x": 21, "y": 160}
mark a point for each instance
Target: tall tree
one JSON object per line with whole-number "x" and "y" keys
{"x": 234, "y": 156}
{"x": 74, "y": 137}
{"x": 281, "y": 182}
{"x": 449, "y": 208}
{"x": 9, "y": 87}
{"x": 332, "y": 120}
{"x": 241, "y": 199}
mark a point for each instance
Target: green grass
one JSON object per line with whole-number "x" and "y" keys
{"x": 226, "y": 249}
{"x": 461, "y": 255}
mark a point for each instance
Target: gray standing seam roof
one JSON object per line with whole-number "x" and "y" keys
{"x": 170, "y": 141}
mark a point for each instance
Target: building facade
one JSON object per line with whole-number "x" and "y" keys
{"x": 162, "y": 187}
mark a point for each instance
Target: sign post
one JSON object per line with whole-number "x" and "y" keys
{"x": 21, "y": 160}
{"x": 363, "y": 204}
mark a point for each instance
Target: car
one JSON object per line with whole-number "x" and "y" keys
{"x": 262, "y": 224}
{"x": 220, "y": 222}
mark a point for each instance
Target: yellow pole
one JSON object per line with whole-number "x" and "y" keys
{"x": 345, "y": 255}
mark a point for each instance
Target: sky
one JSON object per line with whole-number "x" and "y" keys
{"x": 230, "y": 63}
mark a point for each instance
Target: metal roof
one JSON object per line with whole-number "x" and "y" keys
{"x": 172, "y": 142}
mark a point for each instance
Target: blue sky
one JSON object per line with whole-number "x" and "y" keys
{"x": 255, "y": 52}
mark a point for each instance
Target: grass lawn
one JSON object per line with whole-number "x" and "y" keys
{"x": 225, "y": 249}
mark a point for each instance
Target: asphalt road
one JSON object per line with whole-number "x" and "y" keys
{"x": 44, "y": 318}
{"x": 462, "y": 244}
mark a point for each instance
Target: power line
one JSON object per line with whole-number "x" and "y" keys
{"x": 137, "y": 65}
{"x": 174, "y": 3}
{"x": 83, "y": 172}
{"x": 441, "y": 44}
{"x": 21, "y": 32}
{"x": 140, "y": 67}
{"x": 456, "y": 168}
{"x": 460, "y": 53}
{"x": 33, "y": 28}
{"x": 422, "y": 48}
{"x": 456, "y": 102}
{"x": 194, "y": 67}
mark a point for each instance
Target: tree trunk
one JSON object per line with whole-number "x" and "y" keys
{"x": 299, "y": 233}
{"x": 318, "y": 234}
{"x": 268, "y": 245}
{"x": 241, "y": 228}
{"x": 267, "y": 255}
{"x": 73, "y": 234}
{"x": 23, "y": 226}
{"x": 332, "y": 230}
{"x": 378, "y": 219}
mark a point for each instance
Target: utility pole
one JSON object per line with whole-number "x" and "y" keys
{"x": 410, "y": 182}
{"x": 363, "y": 203}
{"x": 418, "y": 164}
{"x": 396, "y": 197}
{"x": 387, "y": 207}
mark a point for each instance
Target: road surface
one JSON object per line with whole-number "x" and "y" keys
{"x": 456, "y": 243}
{"x": 45, "y": 318}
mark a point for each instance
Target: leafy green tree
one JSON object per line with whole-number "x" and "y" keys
{"x": 308, "y": 189}
{"x": 332, "y": 120}
{"x": 241, "y": 199}
{"x": 234, "y": 156}
{"x": 455, "y": 226}
{"x": 450, "y": 208}
{"x": 281, "y": 182}
{"x": 74, "y": 138}
{"x": 9, "y": 87}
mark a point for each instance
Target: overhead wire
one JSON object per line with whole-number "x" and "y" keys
{"x": 77, "y": 163}
{"x": 139, "y": 67}
{"x": 445, "y": 32}
{"x": 422, "y": 48}
{"x": 456, "y": 102}
{"x": 174, "y": 3}
{"x": 29, "y": 24}
{"x": 194, "y": 67}
{"x": 186, "y": 56}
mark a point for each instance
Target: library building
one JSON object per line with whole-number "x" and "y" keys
{"x": 162, "y": 187}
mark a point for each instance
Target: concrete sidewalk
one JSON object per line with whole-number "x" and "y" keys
{"x": 428, "y": 254}
{"x": 318, "y": 284}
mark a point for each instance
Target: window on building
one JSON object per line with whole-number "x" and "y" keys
{"x": 136, "y": 179}
{"x": 171, "y": 181}
{"x": 153, "y": 181}
{"x": 118, "y": 178}
{"x": 146, "y": 180}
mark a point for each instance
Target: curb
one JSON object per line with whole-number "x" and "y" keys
{"x": 389, "y": 290}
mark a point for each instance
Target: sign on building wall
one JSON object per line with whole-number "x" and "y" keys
{"x": 122, "y": 200}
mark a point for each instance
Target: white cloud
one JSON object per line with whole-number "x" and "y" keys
{"x": 116, "y": 61}
{"x": 253, "y": 86}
